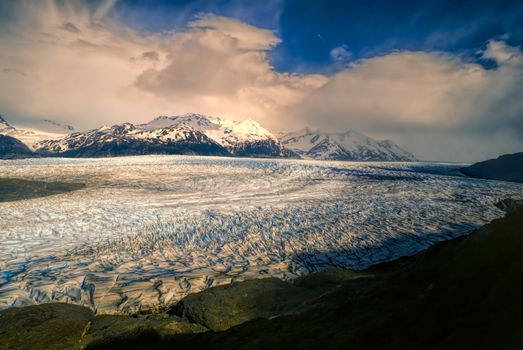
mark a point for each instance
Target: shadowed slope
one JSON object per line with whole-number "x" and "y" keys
{"x": 508, "y": 167}
{"x": 12, "y": 148}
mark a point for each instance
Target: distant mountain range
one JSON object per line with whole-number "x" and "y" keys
{"x": 203, "y": 135}
{"x": 349, "y": 145}
{"x": 185, "y": 134}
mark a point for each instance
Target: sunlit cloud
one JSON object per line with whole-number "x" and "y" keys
{"x": 422, "y": 96}
{"x": 76, "y": 63}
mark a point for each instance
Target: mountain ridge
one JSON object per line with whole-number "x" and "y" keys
{"x": 199, "y": 134}
{"x": 348, "y": 145}
{"x": 127, "y": 139}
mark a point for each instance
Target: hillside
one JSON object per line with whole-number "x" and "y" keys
{"x": 508, "y": 167}
{"x": 11, "y": 148}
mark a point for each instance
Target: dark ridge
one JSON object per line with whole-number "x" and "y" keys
{"x": 508, "y": 167}
{"x": 132, "y": 148}
{"x": 12, "y": 148}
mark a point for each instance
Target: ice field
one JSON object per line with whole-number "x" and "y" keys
{"x": 148, "y": 230}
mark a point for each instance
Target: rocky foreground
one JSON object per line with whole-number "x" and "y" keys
{"x": 464, "y": 293}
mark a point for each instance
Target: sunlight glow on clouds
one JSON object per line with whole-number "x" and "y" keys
{"x": 77, "y": 64}
{"x": 413, "y": 95}
{"x": 220, "y": 65}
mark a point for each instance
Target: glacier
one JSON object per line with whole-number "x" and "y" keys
{"x": 148, "y": 230}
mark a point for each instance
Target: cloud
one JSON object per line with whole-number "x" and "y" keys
{"x": 148, "y": 55}
{"x": 247, "y": 36}
{"x": 222, "y": 64}
{"x": 85, "y": 68}
{"x": 74, "y": 62}
{"x": 78, "y": 75}
{"x": 69, "y": 27}
{"x": 501, "y": 53}
{"x": 424, "y": 99}
{"x": 340, "y": 54}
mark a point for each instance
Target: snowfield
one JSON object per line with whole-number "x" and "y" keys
{"x": 148, "y": 230}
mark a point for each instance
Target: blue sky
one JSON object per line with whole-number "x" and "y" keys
{"x": 310, "y": 29}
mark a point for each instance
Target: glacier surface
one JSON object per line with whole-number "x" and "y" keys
{"x": 148, "y": 230}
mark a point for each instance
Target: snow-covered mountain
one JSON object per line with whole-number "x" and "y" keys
{"x": 246, "y": 138}
{"x": 42, "y": 130}
{"x": 349, "y": 145}
{"x": 204, "y": 135}
{"x": 185, "y": 134}
{"x": 127, "y": 139}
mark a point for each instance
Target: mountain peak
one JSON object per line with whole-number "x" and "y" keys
{"x": 104, "y": 127}
{"x": 351, "y": 132}
{"x": 194, "y": 119}
{"x": 5, "y": 126}
{"x": 250, "y": 126}
{"x": 249, "y": 123}
{"x": 193, "y": 115}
